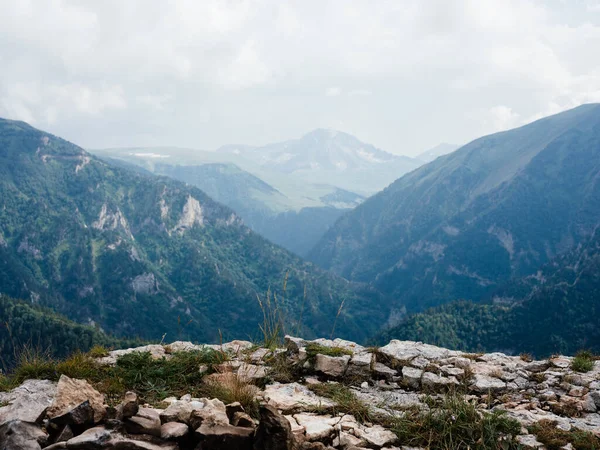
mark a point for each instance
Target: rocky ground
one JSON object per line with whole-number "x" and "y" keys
{"x": 320, "y": 394}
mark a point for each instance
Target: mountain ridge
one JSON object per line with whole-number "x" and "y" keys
{"x": 140, "y": 255}
{"x": 467, "y": 217}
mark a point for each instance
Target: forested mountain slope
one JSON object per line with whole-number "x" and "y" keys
{"x": 147, "y": 256}
{"x": 558, "y": 311}
{"x": 463, "y": 225}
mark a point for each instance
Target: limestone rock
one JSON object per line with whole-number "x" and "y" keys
{"x": 360, "y": 364}
{"x": 128, "y": 407}
{"x": 70, "y": 394}
{"x": 146, "y": 421}
{"x": 297, "y": 429}
{"x": 274, "y": 431}
{"x": 64, "y": 434}
{"x": 180, "y": 411}
{"x": 434, "y": 382}
{"x": 260, "y": 355}
{"x": 529, "y": 441}
{"x": 334, "y": 366}
{"x": 155, "y": 350}
{"x": 82, "y": 414}
{"x": 173, "y": 430}
{"x": 225, "y": 437}
{"x": 28, "y": 402}
{"x": 294, "y": 344}
{"x": 250, "y": 372}
{"x": 293, "y": 397}
{"x": 403, "y": 352}
{"x": 241, "y": 419}
{"x": 316, "y": 427}
{"x": 101, "y": 438}
{"x": 233, "y": 408}
{"x": 16, "y": 434}
{"x": 382, "y": 371}
{"x": 376, "y": 436}
{"x": 92, "y": 438}
{"x": 485, "y": 383}
{"x": 214, "y": 412}
{"x": 412, "y": 377}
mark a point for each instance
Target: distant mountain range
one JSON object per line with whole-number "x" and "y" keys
{"x": 139, "y": 255}
{"x": 464, "y": 225}
{"x": 295, "y": 214}
{"x": 329, "y": 157}
{"x": 290, "y": 192}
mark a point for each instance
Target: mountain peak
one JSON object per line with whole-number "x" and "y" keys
{"x": 326, "y": 133}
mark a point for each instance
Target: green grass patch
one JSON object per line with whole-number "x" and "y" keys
{"x": 230, "y": 388}
{"x": 152, "y": 379}
{"x": 98, "y": 351}
{"x": 313, "y": 349}
{"x": 555, "y": 438}
{"x": 155, "y": 379}
{"x": 583, "y": 361}
{"x": 346, "y": 401}
{"x": 282, "y": 369}
{"x": 453, "y": 423}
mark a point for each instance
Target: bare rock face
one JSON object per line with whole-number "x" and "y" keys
{"x": 82, "y": 414}
{"x": 293, "y": 396}
{"x": 156, "y": 351}
{"x": 16, "y": 434}
{"x": 27, "y": 402}
{"x": 128, "y": 407}
{"x": 403, "y": 352}
{"x": 274, "y": 431}
{"x": 241, "y": 419}
{"x": 173, "y": 431}
{"x": 194, "y": 412}
{"x": 224, "y": 437}
{"x": 71, "y": 394}
{"x": 334, "y": 366}
{"x": 146, "y": 421}
{"x": 102, "y": 438}
{"x": 485, "y": 383}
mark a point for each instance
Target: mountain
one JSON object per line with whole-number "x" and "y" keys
{"x": 290, "y": 192}
{"x": 463, "y": 225}
{"x": 265, "y": 209}
{"x": 437, "y": 151}
{"x": 558, "y": 312}
{"x": 140, "y": 255}
{"x": 329, "y": 157}
{"x": 294, "y": 216}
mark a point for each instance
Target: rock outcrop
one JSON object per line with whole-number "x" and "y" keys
{"x": 322, "y": 394}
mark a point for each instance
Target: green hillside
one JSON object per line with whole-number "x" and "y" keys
{"x": 467, "y": 223}
{"x": 560, "y": 313}
{"x": 148, "y": 256}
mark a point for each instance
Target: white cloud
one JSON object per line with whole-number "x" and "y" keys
{"x": 359, "y": 93}
{"x": 593, "y": 5}
{"x": 502, "y": 118}
{"x": 260, "y": 70}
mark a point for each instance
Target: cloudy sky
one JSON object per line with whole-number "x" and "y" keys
{"x": 404, "y": 75}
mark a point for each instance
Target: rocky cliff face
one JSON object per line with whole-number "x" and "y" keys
{"x": 319, "y": 394}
